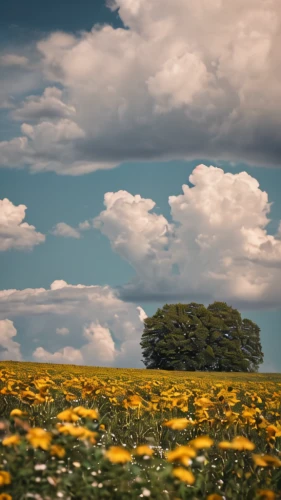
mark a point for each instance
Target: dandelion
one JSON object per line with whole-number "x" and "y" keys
{"x": 39, "y": 438}
{"x": 266, "y": 494}
{"x": 177, "y": 424}
{"x": 184, "y": 475}
{"x": 143, "y": 450}
{"x": 86, "y": 413}
{"x": 118, "y": 455}
{"x": 239, "y": 443}
{"x": 273, "y": 431}
{"x": 17, "y": 413}
{"x": 12, "y": 440}
{"x": 57, "y": 450}
{"x": 201, "y": 442}
{"x": 68, "y": 416}
{"x": 5, "y": 478}
{"x": 181, "y": 454}
{"x": 266, "y": 461}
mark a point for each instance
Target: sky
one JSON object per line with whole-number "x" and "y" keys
{"x": 139, "y": 165}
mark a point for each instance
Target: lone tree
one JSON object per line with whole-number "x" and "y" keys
{"x": 192, "y": 337}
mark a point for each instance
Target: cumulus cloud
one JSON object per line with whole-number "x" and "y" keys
{"x": 98, "y": 327}
{"x": 49, "y": 106}
{"x": 67, "y": 355}
{"x": 198, "y": 79}
{"x": 9, "y": 349}
{"x": 63, "y": 229}
{"x": 100, "y": 347}
{"x": 216, "y": 248}
{"x": 14, "y": 233}
{"x": 67, "y": 231}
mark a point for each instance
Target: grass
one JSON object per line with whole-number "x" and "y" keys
{"x": 144, "y": 437}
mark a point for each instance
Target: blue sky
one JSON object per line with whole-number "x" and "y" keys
{"x": 95, "y": 136}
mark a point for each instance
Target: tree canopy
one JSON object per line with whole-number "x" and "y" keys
{"x": 192, "y": 337}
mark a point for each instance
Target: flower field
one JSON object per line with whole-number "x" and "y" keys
{"x": 82, "y": 433}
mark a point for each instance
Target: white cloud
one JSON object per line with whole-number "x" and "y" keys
{"x": 198, "y": 79}
{"x": 102, "y": 329}
{"x": 84, "y": 226}
{"x": 14, "y": 233}
{"x": 137, "y": 235}
{"x": 49, "y": 146}
{"x": 63, "y": 229}
{"x": 67, "y": 231}
{"x": 217, "y": 247}
{"x": 66, "y": 355}
{"x": 142, "y": 313}
{"x": 13, "y": 60}
{"x": 100, "y": 348}
{"x": 47, "y": 106}
{"x": 62, "y": 331}
{"x": 9, "y": 349}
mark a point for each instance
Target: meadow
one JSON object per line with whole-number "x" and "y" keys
{"x": 82, "y": 433}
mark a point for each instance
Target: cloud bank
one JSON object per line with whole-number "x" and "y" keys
{"x": 198, "y": 79}
{"x": 75, "y": 324}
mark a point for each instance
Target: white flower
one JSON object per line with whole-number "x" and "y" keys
{"x": 40, "y": 466}
{"x": 146, "y": 492}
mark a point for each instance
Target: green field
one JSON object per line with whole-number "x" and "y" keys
{"x": 82, "y": 433}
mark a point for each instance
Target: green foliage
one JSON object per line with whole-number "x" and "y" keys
{"x": 192, "y": 337}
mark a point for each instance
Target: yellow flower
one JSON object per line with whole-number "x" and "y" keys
{"x": 102, "y": 427}
{"x": 181, "y": 454}
{"x": 239, "y": 443}
{"x": 14, "y": 439}
{"x": 17, "y": 413}
{"x": 225, "y": 445}
{"x": 118, "y": 455}
{"x": 132, "y": 402}
{"x": 183, "y": 475}
{"x": 266, "y": 494}
{"x": 201, "y": 442}
{"x": 70, "y": 397}
{"x": 5, "y": 478}
{"x": 273, "y": 431}
{"x": 266, "y": 461}
{"x": 68, "y": 416}
{"x": 214, "y": 496}
{"x": 204, "y": 402}
{"x": 39, "y": 438}
{"x": 177, "y": 424}
{"x": 5, "y": 496}
{"x": 57, "y": 450}
{"x": 78, "y": 432}
{"x": 86, "y": 413}
{"x": 143, "y": 450}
